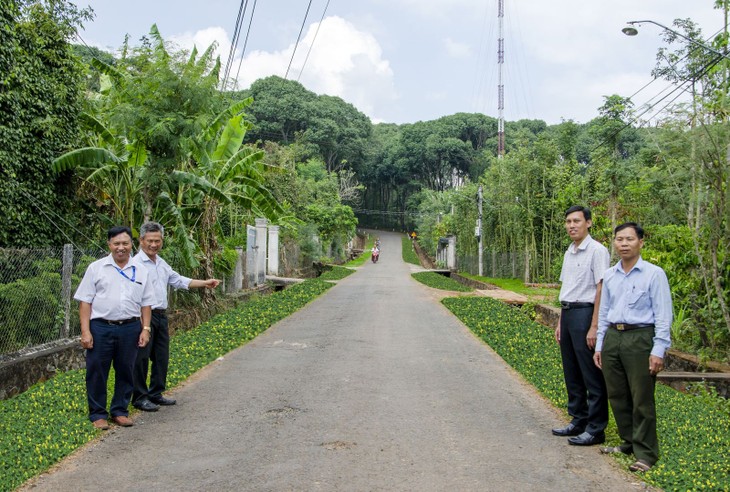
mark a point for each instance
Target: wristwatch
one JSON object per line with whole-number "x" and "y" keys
{"x": 147, "y": 328}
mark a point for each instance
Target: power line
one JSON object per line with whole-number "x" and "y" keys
{"x": 245, "y": 41}
{"x": 57, "y": 217}
{"x": 304, "y": 22}
{"x": 681, "y": 88}
{"x": 234, "y": 41}
{"x": 301, "y": 71}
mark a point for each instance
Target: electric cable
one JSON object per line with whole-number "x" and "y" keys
{"x": 234, "y": 42}
{"x": 40, "y": 206}
{"x": 304, "y": 22}
{"x": 713, "y": 61}
{"x": 313, "y": 40}
{"x": 245, "y": 41}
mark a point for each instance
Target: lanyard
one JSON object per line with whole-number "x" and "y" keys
{"x": 134, "y": 273}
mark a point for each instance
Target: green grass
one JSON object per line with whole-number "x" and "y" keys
{"x": 47, "y": 422}
{"x": 694, "y": 431}
{"x": 548, "y": 294}
{"x": 337, "y": 273}
{"x": 442, "y": 282}
{"x": 409, "y": 254}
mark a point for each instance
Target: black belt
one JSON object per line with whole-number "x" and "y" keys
{"x": 628, "y": 326}
{"x": 116, "y": 321}
{"x": 160, "y": 311}
{"x": 575, "y": 305}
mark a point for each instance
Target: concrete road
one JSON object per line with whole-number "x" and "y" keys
{"x": 373, "y": 386}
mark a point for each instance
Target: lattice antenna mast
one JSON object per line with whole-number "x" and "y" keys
{"x": 500, "y": 86}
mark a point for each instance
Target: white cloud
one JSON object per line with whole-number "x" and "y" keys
{"x": 456, "y": 49}
{"x": 343, "y": 61}
{"x": 203, "y": 39}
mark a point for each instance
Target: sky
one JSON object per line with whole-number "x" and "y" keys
{"x": 402, "y": 61}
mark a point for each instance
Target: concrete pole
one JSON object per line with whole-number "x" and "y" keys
{"x": 451, "y": 258}
{"x": 261, "y": 246}
{"x": 480, "y": 229}
{"x": 66, "y": 272}
{"x": 273, "y": 263}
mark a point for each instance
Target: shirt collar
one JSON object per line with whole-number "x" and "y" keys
{"x": 582, "y": 246}
{"x": 109, "y": 260}
{"x": 638, "y": 266}
{"x": 142, "y": 256}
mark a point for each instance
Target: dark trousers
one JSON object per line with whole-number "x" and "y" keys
{"x": 117, "y": 345}
{"x": 625, "y": 360}
{"x": 587, "y": 399}
{"x": 157, "y": 352}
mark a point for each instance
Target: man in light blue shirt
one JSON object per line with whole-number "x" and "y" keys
{"x": 634, "y": 325}
{"x": 157, "y": 352}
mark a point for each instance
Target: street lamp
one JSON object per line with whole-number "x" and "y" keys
{"x": 630, "y": 30}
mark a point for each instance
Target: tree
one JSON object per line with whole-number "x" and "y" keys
{"x": 41, "y": 96}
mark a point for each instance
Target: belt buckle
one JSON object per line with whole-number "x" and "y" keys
{"x": 620, "y": 326}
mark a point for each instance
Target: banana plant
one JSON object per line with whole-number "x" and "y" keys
{"x": 114, "y": 176}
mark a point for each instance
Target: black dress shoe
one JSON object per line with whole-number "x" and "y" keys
{"x": 161, "y": 400}
{"x": 587, "y": 439}
{"x": 145, "y": 405}
{"x": 568, "y": 430}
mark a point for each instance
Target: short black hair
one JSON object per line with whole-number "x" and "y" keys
{"x": 577, "y": 208}
{"x": 117, "y": 230}
{"x": 639, "y": 230}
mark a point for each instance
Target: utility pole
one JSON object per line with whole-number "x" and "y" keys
{"x": 480, "y": 232}
{"x": 500, "y": 84}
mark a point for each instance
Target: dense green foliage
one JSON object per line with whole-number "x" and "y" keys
{"x": 157, "y": 139}
{"x": 49, "y": 421}
{"x": 694, "y": 432}
{"x": 40, "y": 98}
{"x": 438, "y": 281}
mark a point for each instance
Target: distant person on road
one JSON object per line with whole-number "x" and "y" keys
{"x": 375, "y": 253}
{"x": 161, "y": 276}
{"x": 584, "y": 264}
{"x": 633, "y": 335}
{"x": 113, "y": 295}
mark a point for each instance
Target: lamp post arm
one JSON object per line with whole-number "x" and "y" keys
{"x": 702, "y": 45}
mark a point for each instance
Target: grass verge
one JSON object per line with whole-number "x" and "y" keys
{"x": 442, "y": 282}
{"x": 47, "y": 422}
{"x": 337, "y": 273}
{"x": 409, "y": 254}
{"x": 694, "y": 431}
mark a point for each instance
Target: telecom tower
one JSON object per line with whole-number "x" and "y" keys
{"x": 500, "y": 86}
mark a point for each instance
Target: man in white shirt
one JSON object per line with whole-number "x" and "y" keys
{"x": 113, "y": 295}
{"x": 584, "y": 263}
{"x": 161, "y": 276}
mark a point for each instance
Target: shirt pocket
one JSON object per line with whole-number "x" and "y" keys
{"x": 639, "y": 299}
{"x": 133, "y": 292}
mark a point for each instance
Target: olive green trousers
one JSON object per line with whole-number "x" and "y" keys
{"x": 625, "y": 360}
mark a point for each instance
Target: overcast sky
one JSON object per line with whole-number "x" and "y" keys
{"x": 402, "y": 61}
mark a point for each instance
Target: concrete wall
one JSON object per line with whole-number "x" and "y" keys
{"x": 18, "y": 372}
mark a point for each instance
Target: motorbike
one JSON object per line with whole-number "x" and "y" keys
{"x": 375, "y": 256}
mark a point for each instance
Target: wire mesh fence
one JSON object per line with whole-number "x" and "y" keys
{"x": 36, "y": 288}
{"x": 495, "y": 264}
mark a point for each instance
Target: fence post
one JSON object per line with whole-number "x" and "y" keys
{"x": 66, "y": 270}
